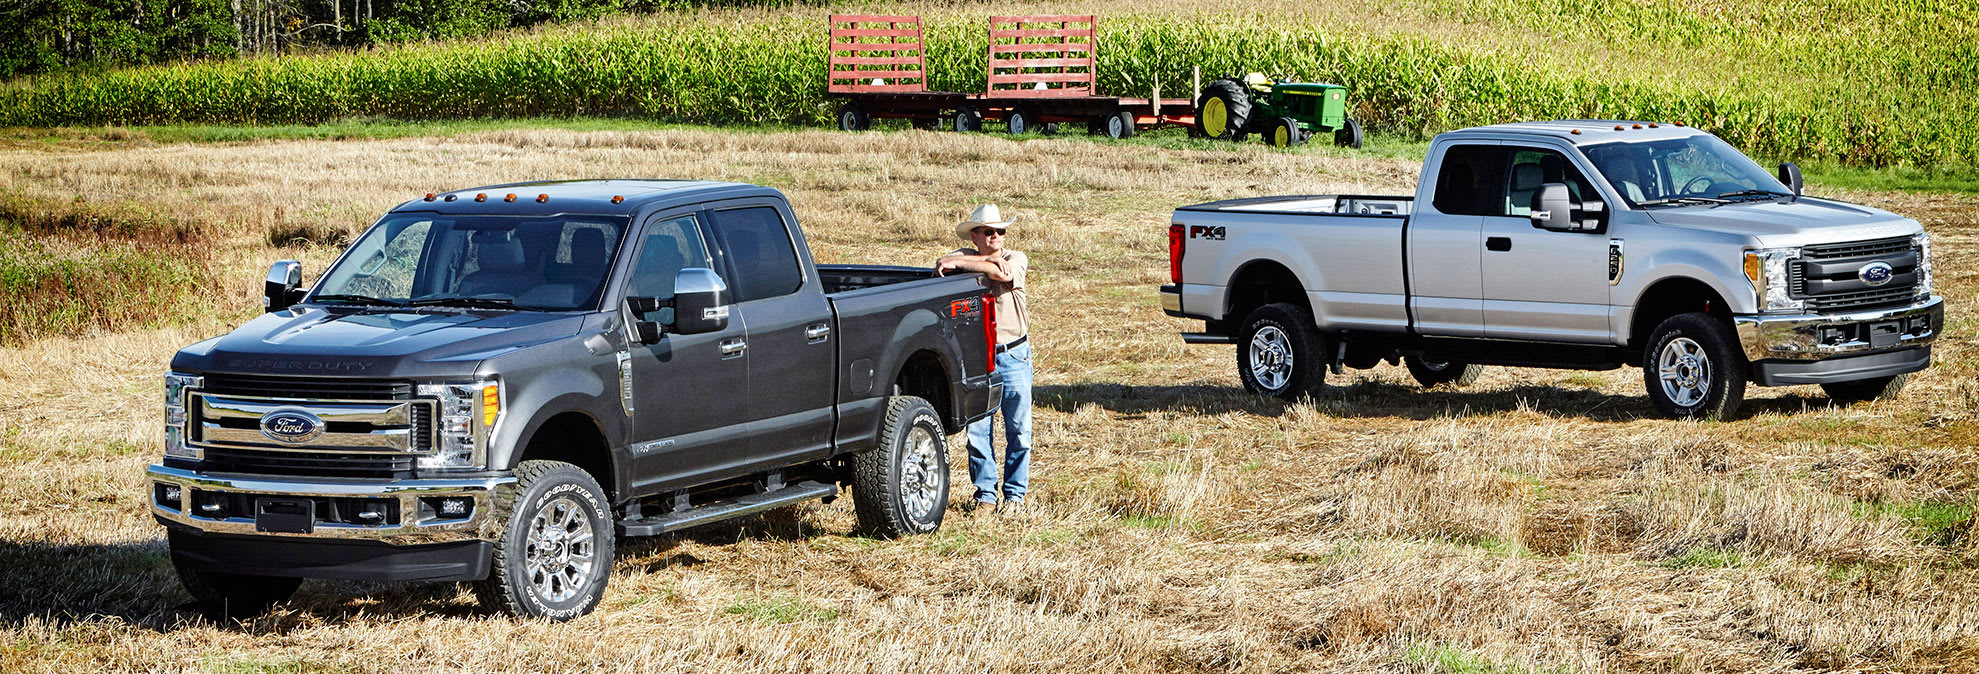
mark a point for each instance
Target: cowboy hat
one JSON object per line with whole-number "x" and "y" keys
{"x": 986, "y": 215}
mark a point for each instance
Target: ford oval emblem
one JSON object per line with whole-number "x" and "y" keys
{"x": 292, "y": 426}
{"x": 1876, "y": 273}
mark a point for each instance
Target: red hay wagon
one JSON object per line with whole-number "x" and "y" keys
{"x": 1040, "y": 73}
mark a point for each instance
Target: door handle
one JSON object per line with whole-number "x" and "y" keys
{"x": 1498, "y": 243}
{"x": 733, "y": 347}
{"x": 816, "y": 332}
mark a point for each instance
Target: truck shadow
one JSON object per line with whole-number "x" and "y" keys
{"x": 1380, "y": 399}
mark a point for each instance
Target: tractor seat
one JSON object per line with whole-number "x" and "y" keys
{"x": 1258, "y": 83}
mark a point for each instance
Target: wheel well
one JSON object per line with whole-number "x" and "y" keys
{"x": 924, "y": 375}
{"x": 574, "y": 438}
{"x": 1667, "y": 298}
{"x": 1261, "y": 283}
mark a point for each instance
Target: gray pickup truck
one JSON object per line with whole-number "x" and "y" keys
{"x": 1572, "y": 244}
{"x": 494, "y": 384}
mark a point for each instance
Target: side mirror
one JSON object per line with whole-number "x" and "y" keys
{"x": 1790, "y": 174}
{"x": 284, "y": 286}
{"x": 700, "y": 301}
{"x": 1553, "y": 208}
{"x": 645, "y": 331}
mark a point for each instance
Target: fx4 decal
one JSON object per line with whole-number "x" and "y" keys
{"x": 1206, "y": 232}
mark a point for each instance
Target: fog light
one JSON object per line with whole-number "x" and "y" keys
{"x": 447, "y": 507}
{"x": 453, "y": 507}
{"x": 170, "y": 496}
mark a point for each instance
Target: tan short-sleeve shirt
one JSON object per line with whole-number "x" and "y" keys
{"x": 1013, "y": 318}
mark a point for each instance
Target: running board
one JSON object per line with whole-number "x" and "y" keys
{"x": 729, "y": 509}
{"x": 1206, "y": 338}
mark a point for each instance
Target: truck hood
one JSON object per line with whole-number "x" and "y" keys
{"x": 1796, "y": 222}
{"x": 373, "y": 342}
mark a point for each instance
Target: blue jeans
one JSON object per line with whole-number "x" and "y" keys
{"x": 1013, "y": 370}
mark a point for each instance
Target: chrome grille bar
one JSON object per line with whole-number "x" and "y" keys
{"x": 384, "y": 426}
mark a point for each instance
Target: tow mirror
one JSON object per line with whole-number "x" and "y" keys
{"x": 1553, "y": 208}
{"x": 644, "y": 330}
{"x": 1790, "y": 175}
{"x": 700, "y": 301}
{"x": 284, "y": 286}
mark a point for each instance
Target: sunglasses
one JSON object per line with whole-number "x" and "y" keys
{"x": 988, "y": 231}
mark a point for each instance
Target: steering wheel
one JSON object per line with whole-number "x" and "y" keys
{"x": 1698, "y": 183}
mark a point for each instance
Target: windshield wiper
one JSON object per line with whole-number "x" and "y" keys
{"x": 1695, "y": 200}
{"x": 457, "y": 301}
{"x": 356, "y": 299}
{"x": 1753, "y": 193}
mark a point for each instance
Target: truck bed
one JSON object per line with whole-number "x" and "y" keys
{"x": 1314, "y": 204}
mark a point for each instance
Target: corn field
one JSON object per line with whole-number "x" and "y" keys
{"x": 1863, "y": 82}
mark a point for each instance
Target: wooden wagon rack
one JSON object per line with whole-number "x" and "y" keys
{"x": 1039, "y": 73}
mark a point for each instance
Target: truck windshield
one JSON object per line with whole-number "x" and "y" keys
{"x": 554, "y": 264}
{"x": 1700, "y": 168}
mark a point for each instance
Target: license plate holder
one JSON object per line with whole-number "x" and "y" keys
{"x": 285, "y": 515}
{"x": 1885, "y": 334}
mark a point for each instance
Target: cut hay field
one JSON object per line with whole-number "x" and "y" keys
{"x": 1537, "y": 521}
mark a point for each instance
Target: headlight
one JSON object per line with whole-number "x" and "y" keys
{"x": 176, "y": 386}
{"x": 468, "y": 412}
{"x": 1766, "y": 268}
{"x": 1923, "y": 242}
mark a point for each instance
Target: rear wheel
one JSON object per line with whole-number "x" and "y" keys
{"x": 233, "y": 596}
{"x": 1020, "y": 121}
{"x": 1286, "y": 133}
{"x": 1279, "y": 354}
{"x": 555, "y": 554}
{"x": 1693, "y": 368}
{"x": 1348, "y": 135}
{"x": 1116, "y": 126}
{"x": 853, "y": 117}
{"x": 901, "y": 487}
{"x": 967, "y": 119}
{"x": 1865, "y": 390}
{"x": 1225, "y": 110}
{"x": 1431, "y": 373}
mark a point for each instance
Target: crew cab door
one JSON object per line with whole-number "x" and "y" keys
{"x": 689, "y": 406}
{"x": 1539, "y": 284}
{"x": 791, "y": 351}
{"x": 1444, "y": 237}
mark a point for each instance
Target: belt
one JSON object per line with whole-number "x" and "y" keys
{"x": 1000, "y": 348}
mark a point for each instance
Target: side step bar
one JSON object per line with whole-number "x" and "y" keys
{"x": 1207, "y": 338}
{"x": 722, "y": 510}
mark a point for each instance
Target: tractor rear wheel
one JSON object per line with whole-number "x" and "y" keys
{"x": 1226, "y": 110}
{"x": 1348, "y": 135}
{"x": 1286, "y": 133}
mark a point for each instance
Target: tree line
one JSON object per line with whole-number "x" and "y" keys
{"x": 48, "y": 36}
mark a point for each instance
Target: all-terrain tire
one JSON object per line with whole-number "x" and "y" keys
{"x": 1693, "y": 368}
{"x": 1431, "y": 373}
{"x": 1865, "y": 390}
{"x": 1225, "y": 110}
{"x": 555, "y": 554}
{"x": 900, "y": 488}
{"x": 233, "y": 596}
{"x": 1280, "y": 354}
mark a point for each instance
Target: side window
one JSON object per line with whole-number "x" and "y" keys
{"x": 759, "y": 253}
{"x": 1531, "y": 168}
{"x": 666, "y": 247}
{"x": 1470, "y": 180}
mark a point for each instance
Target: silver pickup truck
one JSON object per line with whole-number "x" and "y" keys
{"x": 1585, "y": 244}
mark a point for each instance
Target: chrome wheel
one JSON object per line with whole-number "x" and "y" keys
{"x": 1685, "y": 371}
{"x": 921, "y": 473}
{"x": 560, "y": 557}
{"x": 1271, "y": 357}
{"x": 1434, "y": 365}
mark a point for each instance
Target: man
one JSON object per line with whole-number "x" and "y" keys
{"x": 1005, "y": 268}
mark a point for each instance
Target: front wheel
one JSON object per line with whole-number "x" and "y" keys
{"x": 233, "y": 596}
{"x": 1020, "y": 121}
{"x": 967, "y": 119}
{"x": 901, "y": 487}
{"x": 853, "y": 117}
{"x": 1279, "y": 354}
{"x": 1431, "y": 373}
{"x": 1693, "y": 368}
{"x": 1286, "y": 133}
{"x": 1865, "y": 390}
{"x": 555, "y": 555}
{"x": 1348, "y": 135}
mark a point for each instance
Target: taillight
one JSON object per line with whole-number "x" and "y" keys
{"x": 1175, "y": 239}
{"x": 989, "y": 329}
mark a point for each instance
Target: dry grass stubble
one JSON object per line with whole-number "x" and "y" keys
{"x": 1539, "y": 519}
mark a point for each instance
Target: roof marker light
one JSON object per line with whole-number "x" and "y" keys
{"x": 1679, "y": 123}
{"x": 1618, "y": 127}
{"x": 617, "y": 198}
{"x": 484, "y": 195}
{"x": 452, "y": 197}
{"x": 510, "y": 199}
{"x": 1654, "y": 126}
{"x": 431, "y": 196}
{"x": 1638, "y": 126}
{"x": 542, "y": 198}
{"x": 1575, "y": 132}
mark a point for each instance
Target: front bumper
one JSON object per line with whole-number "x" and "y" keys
{"x": 408, "y": 515}
{"x": 1806, "y": 337}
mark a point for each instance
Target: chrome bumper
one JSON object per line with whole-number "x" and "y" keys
{"x": 1818, "y": 336}
{"x": 1171, "y": 300}
{"x": 492, "y": 500}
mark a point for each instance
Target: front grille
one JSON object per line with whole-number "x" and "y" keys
{"x": 300, "y": 388}
{"x": 310, "y": 464}
{"x": 1827, "y": 275}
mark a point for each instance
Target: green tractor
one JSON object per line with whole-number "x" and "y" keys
{"x": 1285, "y": 112}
